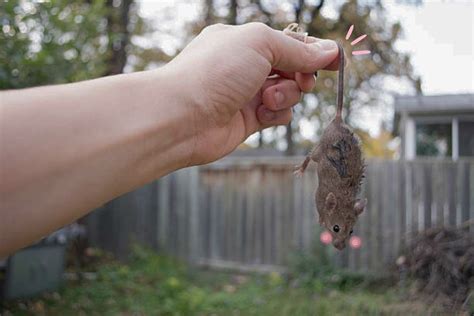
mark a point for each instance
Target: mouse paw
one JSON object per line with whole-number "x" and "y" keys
{"x": 298, "y": 173}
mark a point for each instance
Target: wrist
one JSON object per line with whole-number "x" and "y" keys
{"x": 169, "y": 113}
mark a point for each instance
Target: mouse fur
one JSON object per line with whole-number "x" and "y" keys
{"x": 340, "y": 168}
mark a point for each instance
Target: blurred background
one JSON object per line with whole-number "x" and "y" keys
{"x": 239, "y": 236}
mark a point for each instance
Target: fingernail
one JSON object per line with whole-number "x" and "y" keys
{"x": 279, "y": 98}
{"x": 268, "y": 115}
{"x": 327, "y": 44}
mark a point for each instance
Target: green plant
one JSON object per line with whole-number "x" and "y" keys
{"x": 51, "y": 42}
{"x": 150, "y": 284}
{"x": 314, "y": 270}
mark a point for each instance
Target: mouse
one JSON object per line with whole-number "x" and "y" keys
{"x": 340, "y": 169}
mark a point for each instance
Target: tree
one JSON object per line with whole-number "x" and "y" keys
{"x": 66, "y": 41}
{"x": 366, "y": 74}
{"x": 118, "y": 25}
{"x": 62, "y": 41}
{"x": 46, "y": 43}
{"x": 381, "y": 146}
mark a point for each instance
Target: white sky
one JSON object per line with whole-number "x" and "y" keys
{"x": 438, "y": 34}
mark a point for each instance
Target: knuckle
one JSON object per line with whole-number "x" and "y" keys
{"x": 259, "y": 27}
{"x": 259, "y": 36}
{"x": 307, "y": 54}
{"x": 214, "y": 27}
{"x": 295, "y": 98}
{"x": 286, "y": 119}
{"x": 292, "y": 93}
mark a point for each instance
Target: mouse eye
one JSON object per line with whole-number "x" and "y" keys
{"x": 336, "y": 228}
{"x": 350, "y": 233}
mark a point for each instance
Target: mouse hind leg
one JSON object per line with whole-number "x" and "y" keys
{"x": 300, "y": 169}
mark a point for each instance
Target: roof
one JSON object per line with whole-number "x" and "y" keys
{"x": 264, "y": 152}
{"x": 435, "y": 103}
{"x": 258, "y": 152}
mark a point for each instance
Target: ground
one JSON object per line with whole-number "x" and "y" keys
{"x": 154, "y": 285}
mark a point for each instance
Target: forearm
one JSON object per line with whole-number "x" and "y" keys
{"x": 68, "y": 149}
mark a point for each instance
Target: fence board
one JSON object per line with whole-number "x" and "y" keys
{"x": 465, "y": 191}
{"x": 253, "y": 213}
{"x": 471, "y": 202}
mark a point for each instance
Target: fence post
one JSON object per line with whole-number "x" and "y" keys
{"x": 194, "y": 231}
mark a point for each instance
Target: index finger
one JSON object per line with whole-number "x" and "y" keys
{"x": 334, "y": 65}
{"x": 288, "y": 54}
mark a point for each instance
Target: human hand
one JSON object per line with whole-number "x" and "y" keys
{"x": 224, "y": 72}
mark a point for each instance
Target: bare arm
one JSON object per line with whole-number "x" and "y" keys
{"x": 67, "y": 149}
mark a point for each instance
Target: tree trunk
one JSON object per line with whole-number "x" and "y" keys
{"x": 233, "y": 12}
{"x": 260, "y": 139}
{"x": 314, "y": 12}
{"x": 209, "y": 12}
{"x": 290, "y": 145}
{"x": 119, "y": 36}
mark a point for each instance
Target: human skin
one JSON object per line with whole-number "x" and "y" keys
{"x": 67, "y": 149}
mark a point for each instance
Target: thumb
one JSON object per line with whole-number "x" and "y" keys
{"x": 288, "y": 54}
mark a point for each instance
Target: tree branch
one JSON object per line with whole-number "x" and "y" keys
{"x": 262, "y": 9}
{"x": 317, "y": 10}
{"x": 298, "y": 10}
{"x": 314, "y": 13}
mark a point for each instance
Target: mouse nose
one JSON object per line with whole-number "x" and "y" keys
{"x": 340, "y": 245}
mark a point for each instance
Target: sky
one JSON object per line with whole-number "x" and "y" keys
{"x": 438, "y": 34}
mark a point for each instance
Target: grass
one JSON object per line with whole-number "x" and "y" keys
{"x": 154, "y": 285}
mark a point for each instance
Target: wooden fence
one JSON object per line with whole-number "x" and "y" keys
{"x": 253, "y": 213}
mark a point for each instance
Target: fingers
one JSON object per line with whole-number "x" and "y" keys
{"x": 281, "y": 95}
{"x": 306, "y": 82}
{"x": 267, "y": 117}
{"x": 288, "y": 54}
{"x": 257, "y": 117}
{"x": 264, "y": 111}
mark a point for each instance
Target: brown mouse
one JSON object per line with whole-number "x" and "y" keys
{"x": 340, "y": 168}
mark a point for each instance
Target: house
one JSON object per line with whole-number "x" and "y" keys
{"x": 435, "y": 125}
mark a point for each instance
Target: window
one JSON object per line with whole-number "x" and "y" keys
{"x": 434, "y": 139}
{"x": 466, "y": 138}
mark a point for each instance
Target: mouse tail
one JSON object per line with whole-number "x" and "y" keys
{"x": 340, "y": 83}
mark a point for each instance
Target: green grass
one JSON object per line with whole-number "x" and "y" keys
{"x": 155, "y": 285}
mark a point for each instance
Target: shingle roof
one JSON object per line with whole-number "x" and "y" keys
{"x": 435, "y": 103}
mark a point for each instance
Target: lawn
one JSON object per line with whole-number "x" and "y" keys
{"x": 155, "y": 285}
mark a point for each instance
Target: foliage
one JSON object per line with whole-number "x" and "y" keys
{"x": 51, "y": 42}
{"x": 143, "y": 53}
{"x": 156, "y": 285}
{"x": 63, "y": 41}
{"x": 314, "y": 270}
{"x": 380, "y": 146}
{"x": 441, "y": 259}
{"x": 366, "y": 75}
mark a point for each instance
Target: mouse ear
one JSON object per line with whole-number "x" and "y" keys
{"x": 359, "y": 206}
{"x": 330, "y": 201}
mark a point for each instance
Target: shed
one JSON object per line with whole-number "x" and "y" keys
{"x": 436, "y": 125}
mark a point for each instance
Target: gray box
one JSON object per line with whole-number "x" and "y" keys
{"x": 34, "y": 270}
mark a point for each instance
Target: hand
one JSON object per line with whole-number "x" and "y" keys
{"x": 224, "y": 72}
